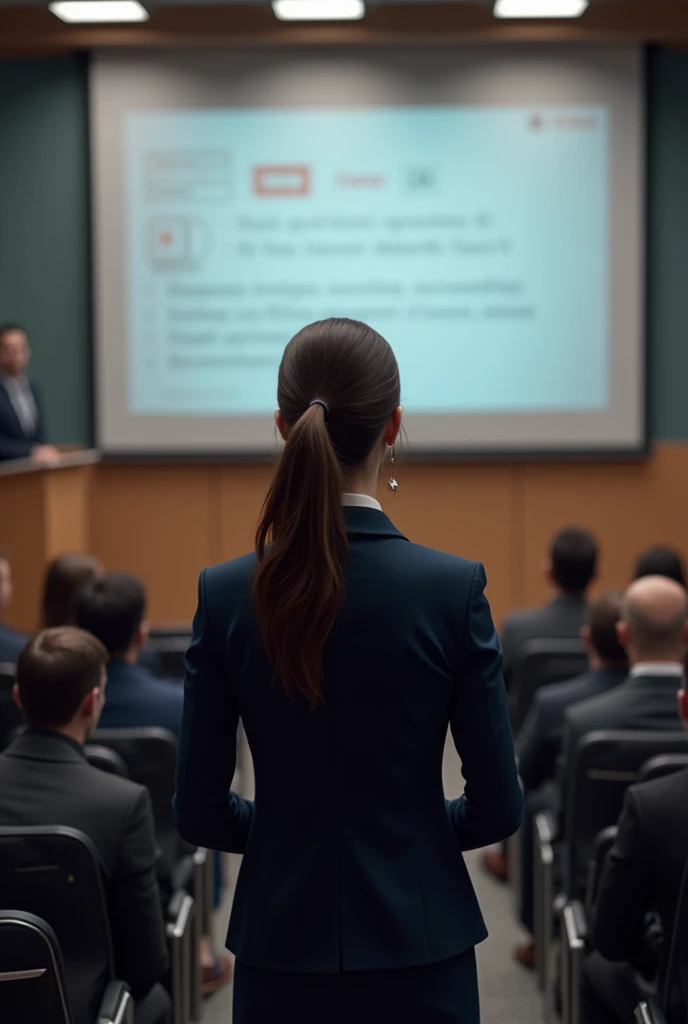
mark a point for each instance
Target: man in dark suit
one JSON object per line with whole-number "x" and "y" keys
{"x": 643, "y": 873}
{"x": 11, "y": 642}
{"x": 46, "y": 780}
{"x": 654, "y": 632}
{"x": 660, "y": 561}
{"x": 569, "y": 570}
{"x": 113, "y": 608}
{"x": 538, "y": 744}
{"x": 22, "y": 431}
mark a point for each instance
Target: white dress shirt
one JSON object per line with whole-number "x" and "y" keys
{"x": 21, "y": 397}
{"x": 360, "y": 501}
{"x": 657, "y": 668}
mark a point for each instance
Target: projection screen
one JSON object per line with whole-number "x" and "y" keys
{"x": 482, "y": 208}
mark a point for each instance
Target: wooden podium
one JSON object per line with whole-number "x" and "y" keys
{"x": 43, "y": 512}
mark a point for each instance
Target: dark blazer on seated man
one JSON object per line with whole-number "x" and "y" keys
{"x": 644, "y": 871}
{"x": 569, "y": 570}
{"x": 46, "y": 780}
{"x": 113, "y": 607}
{"x": 539, "y": 741}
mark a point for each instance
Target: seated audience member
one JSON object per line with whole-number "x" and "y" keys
{"x": 643, "y": 873}
{"x": 11, "y": 642}
{"x": 64, "y": 576}
{"x": 654, "y": 632}
{"x": 660, "y": 561}
{"x": 46, "y": 780}
{"x": 113, "y": 608}
{"x": 538, "y": 744}
{"x": 569, "y": 570}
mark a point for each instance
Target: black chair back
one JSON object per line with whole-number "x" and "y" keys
{"x": 661, "y": 766}
{"x": 53, "y": 872}
{"x": 106, "y": 759}
{"x": 151, "y": 759}
{"x": 541, "y": 662}
{"x": 602, "y": 767}
{"x": 169, "y": 644}
{"x": 676, "y": 983}
{"x": 10, "y": 715}
{"x": 32, "y": 975}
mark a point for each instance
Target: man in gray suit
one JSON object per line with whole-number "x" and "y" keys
{"x": 569, "y": 570}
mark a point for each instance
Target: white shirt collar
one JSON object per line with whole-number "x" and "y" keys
{"x": 360, "y": 501}
{"x": 657, "y": 668}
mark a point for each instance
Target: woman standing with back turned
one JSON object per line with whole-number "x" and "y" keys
{"x": 347, "y": 652}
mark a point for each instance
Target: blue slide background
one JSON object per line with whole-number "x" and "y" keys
{"x": 474, "y": 238}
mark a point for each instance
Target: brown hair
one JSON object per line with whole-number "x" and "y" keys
{"x": 65, "y": 575}
{"x": 603, "y": 614}
{"x": 55, "y": 671}
{"x": 298, "y": 586}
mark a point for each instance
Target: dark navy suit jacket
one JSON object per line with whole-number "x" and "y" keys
{"x": 352, "y": 857}
{"x": 11, "y": 644}
{"x": 14, "y": 443}
{"x": 136, "y": 699}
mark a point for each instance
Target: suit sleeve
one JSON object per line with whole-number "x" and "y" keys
{"x": 492, "y": 805}
{"x": 207, "y": 812}
{"x": 531, "y": 748}
{"x": 15, "y": 447}
{"x": 507, "y": 652}
{"x": 138, "y": 929}
{"x": 625, "y": 895}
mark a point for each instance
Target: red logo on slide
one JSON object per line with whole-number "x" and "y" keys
{"x": 282, "y": 180}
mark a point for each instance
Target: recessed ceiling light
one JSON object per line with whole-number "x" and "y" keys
{"x": 319, "y": 10}
{"x": 100, "y": 11}
{"x": 539, "y": 8}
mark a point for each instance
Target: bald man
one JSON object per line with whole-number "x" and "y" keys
{"x": 654, "y": 631}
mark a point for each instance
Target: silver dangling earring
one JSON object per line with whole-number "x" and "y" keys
{"x": 392, "y": 482}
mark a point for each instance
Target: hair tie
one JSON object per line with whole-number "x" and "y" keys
{"x": 324, "y": 406}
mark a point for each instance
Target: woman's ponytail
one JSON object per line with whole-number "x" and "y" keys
{"x": 298, "y": 586}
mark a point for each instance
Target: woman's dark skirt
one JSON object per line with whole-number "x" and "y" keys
{"x": 441, "y": 993}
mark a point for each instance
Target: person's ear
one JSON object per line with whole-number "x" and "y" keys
{"x": 585, "y": 635}
{"x": 393, "y": 427}
{"x": 281, "y": 425}
{"x": 89, "y": 705}
{"x": 682, "y": 700}
{"x": 15, "y": 696}
{"x": 547, "y": 569}
{"x": 623, "y": 634}
{"x": 143, "y": 634}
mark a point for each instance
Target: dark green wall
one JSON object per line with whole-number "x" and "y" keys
{"x": 44, "y": 234}
{"x": 44, "y": 231}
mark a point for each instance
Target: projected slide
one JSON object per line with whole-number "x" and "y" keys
{"x": 474, "y": 238}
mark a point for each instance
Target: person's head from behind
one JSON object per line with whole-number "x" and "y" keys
{"x": 61, "y": 681}
{"x": 14, "y": 349}
{"x": 600, "y": 632}
{"x": 6, "y": 587}
{"x": 64, "y": 577}
{"x": 654, "y": 620}
{"x": 113, "y": 608}
{"x": 572, "y": 562}
{"x": 660, "y": 561}
{"x": 338, "y": 397}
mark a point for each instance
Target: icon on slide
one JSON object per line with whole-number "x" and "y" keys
{"x": 281, "y": 180}
{"x": 177, "y": 243}
{"x": 536, "y": 121}
{"x": 421, "y": 180}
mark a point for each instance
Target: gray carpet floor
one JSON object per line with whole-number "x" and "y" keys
{"x": 507, "y": 992}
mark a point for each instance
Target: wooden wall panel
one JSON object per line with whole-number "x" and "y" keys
{"x": 22, "y": 519}
{"x": 159, "y": 522}
{"x": 242, "y": 491}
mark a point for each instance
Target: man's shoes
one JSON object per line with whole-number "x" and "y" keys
{"x": 524, "y": 954}
{"x": 217, "y": 974}
{"x": 494, "y": 863}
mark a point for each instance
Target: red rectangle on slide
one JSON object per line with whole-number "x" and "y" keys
{"x": 282, "y": 180}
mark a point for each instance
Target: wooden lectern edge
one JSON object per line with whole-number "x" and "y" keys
{"x": 70, "y": 460}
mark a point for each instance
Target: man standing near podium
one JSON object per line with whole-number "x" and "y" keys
{"x": 21, "y": 419}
